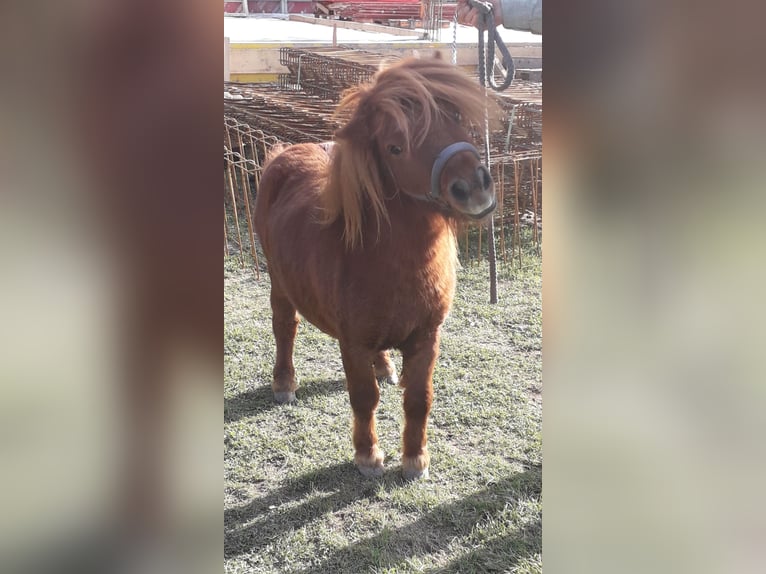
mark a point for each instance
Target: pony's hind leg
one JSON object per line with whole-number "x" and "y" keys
{"x": 284, "y": 321}
{"x": 364, "y": 394}
{"x": 419, "y": 358}
{"x": 385, "y": 371}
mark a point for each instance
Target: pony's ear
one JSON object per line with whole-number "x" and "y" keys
{"x": 354, "y": 130}
{"x": 352, "y": 112}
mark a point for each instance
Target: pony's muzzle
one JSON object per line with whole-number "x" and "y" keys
{"x": 474, "y": 196}
{"x": 484, "y": 177}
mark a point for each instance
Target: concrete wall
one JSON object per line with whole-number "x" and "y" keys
{"x": 254, "y": 62}
{"x": 226, "y": 59}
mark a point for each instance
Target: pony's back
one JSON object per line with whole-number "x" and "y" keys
{"x": 294, "y": 175}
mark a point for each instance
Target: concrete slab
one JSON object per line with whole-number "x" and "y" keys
{"x": 279, "y": 30}
{"x": 273, "y": 30}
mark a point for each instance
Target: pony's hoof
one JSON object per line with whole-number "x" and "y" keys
{"x": 370, "y": 466}
{"x": 392, "y": 379}
{"x": 412, "y": 474}
{"x": 415, "y": 467}
{"x": 371, "y": 471}
{"x": 284, "y": 397}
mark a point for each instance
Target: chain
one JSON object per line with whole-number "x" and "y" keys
{"x": 454, "y": 40}
{"x": 483, "y": 80}
{"x": 487, "y": 57}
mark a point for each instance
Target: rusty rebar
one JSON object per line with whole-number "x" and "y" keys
{"x": 290, "y": 113}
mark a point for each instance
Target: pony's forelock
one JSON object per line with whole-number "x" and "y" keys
{"x": 409, "y": 97}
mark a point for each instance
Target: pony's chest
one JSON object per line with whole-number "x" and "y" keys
{"x": 417, "y": 302}
{"x": 431, "y": 265}
{"x": 422, "y": 287}
{"x": 388, "y": 293}
{"x": 431, "y": 286}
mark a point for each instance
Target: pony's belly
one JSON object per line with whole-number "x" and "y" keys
{"x": 311, "y": 304}
{"x": 320, "y": 322}
{"x": 389, "y": 307}
{"x": 394, "y": 324}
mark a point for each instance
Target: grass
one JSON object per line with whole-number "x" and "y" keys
{"x": 294, "y": 501}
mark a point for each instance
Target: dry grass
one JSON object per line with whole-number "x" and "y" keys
{"x": 295, "y": 503}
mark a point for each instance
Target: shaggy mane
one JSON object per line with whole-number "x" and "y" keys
{"x": 412, "y": 96}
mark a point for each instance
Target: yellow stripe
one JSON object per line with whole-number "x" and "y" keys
{"x": 254, "y": 78}
{"x": 251, "y": 46}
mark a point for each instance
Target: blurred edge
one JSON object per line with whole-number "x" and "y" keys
{"x": 653, "y": 284}
{"x": 111, "y": 329}
{"x": 652, "y": 287}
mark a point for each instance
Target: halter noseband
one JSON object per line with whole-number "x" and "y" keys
{"x": 441, "y": 160}
{"x": 434, "y": 195}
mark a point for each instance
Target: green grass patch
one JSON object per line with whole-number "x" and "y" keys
{"x": 294, "y": 501}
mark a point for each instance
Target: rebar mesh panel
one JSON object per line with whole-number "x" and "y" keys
{"x": 299, "y": 108}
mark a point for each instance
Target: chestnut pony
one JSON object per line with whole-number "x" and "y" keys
{"x": 360, "y": 240}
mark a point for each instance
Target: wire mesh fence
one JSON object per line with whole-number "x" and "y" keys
{"x": 299, "y": 108}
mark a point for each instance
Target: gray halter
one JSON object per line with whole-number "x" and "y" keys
{"x": 441, "y": 160}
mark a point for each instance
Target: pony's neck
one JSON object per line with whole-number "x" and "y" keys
{"x": 414, "y": 222}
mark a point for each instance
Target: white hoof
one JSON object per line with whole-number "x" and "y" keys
{"x": 416, "y": 467}
{"x": 371, "y": 471}
{"x": 370, "y": 466}
{"x": 283, "y": 397}
{"x": 392, "y": 379}
{"x": 414, "y": 474}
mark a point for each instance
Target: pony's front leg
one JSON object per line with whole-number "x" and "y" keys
{"x": 364, "y": 395}
{"x": 284, "y": 321}
{"x": 419, "y": 358}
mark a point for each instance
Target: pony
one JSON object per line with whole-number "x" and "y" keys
{"x": 359, "y": 236}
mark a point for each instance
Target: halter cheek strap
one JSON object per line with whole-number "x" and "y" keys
{"x": 441, "y": 160}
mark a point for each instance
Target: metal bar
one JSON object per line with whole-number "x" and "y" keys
{"x": 234, "y": 206}
{"x": 246, "y": 194}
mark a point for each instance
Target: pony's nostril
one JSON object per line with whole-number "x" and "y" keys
{"x": 484, "y": 177}
{"x": 459, "y": 190}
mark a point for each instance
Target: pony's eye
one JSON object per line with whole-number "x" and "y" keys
{"x": 458, "y": 117}
{"x": 394, "y": 149}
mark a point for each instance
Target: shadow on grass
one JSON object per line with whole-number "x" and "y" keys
{"x": 434, "y": 532}
{"x": 499, "y": 554}
{"x": 259, "y": 524}
{"x": 254, "y": 526}
{"x": 261, "y": 399}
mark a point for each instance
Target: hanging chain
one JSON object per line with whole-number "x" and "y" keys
{"x": 454, "y": 39}
{"x": 487, "y": 57}
{"x": 486, "y": 78}
{"x": 486, "y": 61}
